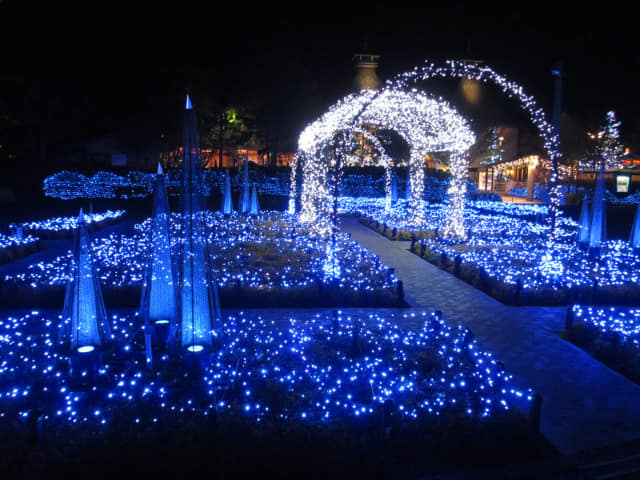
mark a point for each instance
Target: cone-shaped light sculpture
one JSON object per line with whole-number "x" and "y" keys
{"x": 246, "y": 200}
{"x": 198, "y": 308}
{"x": 584, "y": 224}
{"x": 159, "y": 305}
{"x": 85, "y": 323}
{"x": 227, "y": 201}
{"x": 255, "y": 204}
{"x": 634, "y": 237}
{"x": 598, "y": 219}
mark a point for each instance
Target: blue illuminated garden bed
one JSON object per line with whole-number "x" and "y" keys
{"x": 331, "y": 391}
{"x": 524, "y": 290}
{"x": 609, "y": 334}
{"x": 506, "y": 255}
{"x": 266, "y": 260}
{"x": 63, "y": 228}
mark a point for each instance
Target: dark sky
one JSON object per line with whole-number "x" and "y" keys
{"x": 81, "y": 68}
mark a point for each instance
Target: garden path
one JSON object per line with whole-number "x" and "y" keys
{"x": 585, "y": 404}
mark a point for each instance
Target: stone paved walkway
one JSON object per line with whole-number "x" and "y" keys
{"x": 585, "y": 404}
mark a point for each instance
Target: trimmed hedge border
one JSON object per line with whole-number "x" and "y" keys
{"x": 609, "y": 348}
{"x": 69, "y": 234}
{"x": 233, "y": 445}
{"x": 236, "y": 296}
{"x": 16, "y": 252}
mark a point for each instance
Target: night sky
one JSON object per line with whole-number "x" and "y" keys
{"x": 76, "y": 69}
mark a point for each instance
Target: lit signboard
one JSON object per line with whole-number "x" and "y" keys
{"x": 622, "y": 183}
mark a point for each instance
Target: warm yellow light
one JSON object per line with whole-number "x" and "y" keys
{"x": 471, "y": 90}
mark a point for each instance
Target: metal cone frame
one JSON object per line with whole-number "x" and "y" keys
{"x": 255, "y": 204}
{"x": 159, "y": 304}
{"x": 199, "y": 306}
{"x": 85, "y": 328}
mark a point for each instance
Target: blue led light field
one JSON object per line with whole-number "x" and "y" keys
{"x": 262, "y": 254}
{"x": 508, "y": 246}
{"x": 308, "y": 367}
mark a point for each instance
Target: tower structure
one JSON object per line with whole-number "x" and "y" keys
{"x": 366, "y": 76}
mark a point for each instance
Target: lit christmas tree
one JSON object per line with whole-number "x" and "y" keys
{"x": 608, "y": 147}
{"x": 612, "y": 149}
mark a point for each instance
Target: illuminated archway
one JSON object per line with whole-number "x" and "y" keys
{"x": 474, "y": 71}
{"x": 425, "y": 123}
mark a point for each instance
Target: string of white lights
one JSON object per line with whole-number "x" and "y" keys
{"x": 427, "y": 125}
{"x": 483, "y": 73}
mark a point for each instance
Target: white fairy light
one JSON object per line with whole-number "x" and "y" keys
{"x": 483, "y": 73}
{"x": 425, "y": 123}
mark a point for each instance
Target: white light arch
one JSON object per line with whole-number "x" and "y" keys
{"x": 483, "y": 73}
{"x": 425, "y": 123}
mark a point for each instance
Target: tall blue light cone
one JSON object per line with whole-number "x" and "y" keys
{"x": 255, "y": 205}
{"x": 85, "y": 326}
{"x": 227, "y": 201}
{"x": 199, "y": 309}
{"x": 159, "y": 305}
{"x": 634, "y": 237}
{"x": 246, "y": 200}
{"x": 584, "y": 223}
{"x": 597, "y": 230}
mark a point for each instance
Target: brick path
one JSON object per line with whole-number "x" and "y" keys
{"x": 585, "y": 404}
